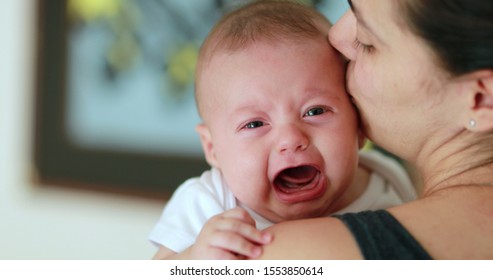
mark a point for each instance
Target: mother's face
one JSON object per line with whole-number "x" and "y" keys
{"x": 391, "y": 76}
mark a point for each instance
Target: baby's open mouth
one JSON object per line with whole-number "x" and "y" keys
{"x": 297, "y": 178}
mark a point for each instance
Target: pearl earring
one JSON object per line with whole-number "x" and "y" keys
{"x": 472, "y": 123}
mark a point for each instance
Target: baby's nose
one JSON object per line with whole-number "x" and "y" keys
{"x": 292, "y": 139}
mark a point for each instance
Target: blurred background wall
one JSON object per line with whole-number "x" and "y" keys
{"x": 55, "y": 223}
{"x": 52, "y": 223}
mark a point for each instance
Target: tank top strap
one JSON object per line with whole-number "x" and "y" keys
{"x": 381, "y": 237}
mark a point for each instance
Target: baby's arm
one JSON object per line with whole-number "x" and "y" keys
{"x": 164, "y": 253}
{"x": 229, "y": 235}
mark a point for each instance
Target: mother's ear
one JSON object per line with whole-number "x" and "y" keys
{"x": 207, "y": 145}
{"x": 480, "y": 100}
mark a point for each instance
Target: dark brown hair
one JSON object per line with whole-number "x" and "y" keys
{"x": 459, "y": 31}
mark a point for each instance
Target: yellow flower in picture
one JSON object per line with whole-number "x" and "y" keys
{"x": 181, "y": 65}
{"x": 89, "y": 10}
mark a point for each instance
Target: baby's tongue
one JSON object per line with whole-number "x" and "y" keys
{"x": 297, "y": 177}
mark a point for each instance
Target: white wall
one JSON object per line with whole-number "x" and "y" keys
{"x": 52, "y": 223}
{"x": 55, "y": 223}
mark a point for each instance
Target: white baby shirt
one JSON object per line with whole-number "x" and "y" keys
{"x": 198, "y": 199}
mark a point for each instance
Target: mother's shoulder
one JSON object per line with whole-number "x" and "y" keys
{"x": 318, "y": 238}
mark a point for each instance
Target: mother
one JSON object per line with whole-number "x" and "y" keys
{"x": 421, "y": 75}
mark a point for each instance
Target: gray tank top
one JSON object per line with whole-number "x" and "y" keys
{"x": 381, "y": 237}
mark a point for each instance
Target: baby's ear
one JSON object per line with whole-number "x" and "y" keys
{"x": 207, "y": 145}
{"x": 480, "y": 100}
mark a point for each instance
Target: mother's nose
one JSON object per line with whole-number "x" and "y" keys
{"x": 343, "y": 34}
{"x": 292, "y": 139}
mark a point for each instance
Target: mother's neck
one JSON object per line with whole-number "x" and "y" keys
{"x": 455, "y": 161}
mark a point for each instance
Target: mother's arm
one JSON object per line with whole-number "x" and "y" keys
{"x": 320, "y": 238}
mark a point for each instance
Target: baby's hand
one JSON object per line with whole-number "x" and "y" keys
{"x": 230, "y": 235}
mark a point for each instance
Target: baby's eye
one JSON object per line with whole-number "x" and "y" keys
{"x": 254, "y": 124}
{"x": 315, "y": 111}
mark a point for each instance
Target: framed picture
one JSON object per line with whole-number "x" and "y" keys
{"x": 115, "y": 106}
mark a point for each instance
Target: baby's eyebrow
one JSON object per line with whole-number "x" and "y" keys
{"x": 247, "y": 107}
{"x": 323, "y": 92}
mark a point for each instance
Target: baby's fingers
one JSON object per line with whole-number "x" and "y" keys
{"x": 236, "y": 244}
{"x": 239, "y": 214}
{"x": 247, "y": 230}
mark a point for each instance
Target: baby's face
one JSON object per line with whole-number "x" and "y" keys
{"x": 283, "y": 130}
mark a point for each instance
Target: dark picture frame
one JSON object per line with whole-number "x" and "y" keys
{"x": 58, "y": 161}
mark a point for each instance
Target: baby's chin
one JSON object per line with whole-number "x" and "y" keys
{"x": 296, "y": 212}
